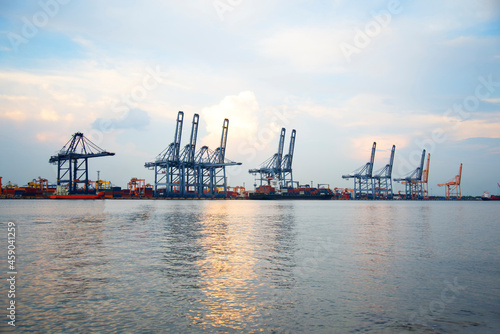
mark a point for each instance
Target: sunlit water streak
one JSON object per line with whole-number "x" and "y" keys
{"x": 251, "y": 266}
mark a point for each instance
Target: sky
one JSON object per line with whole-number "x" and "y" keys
{"x": 344, "y": 74}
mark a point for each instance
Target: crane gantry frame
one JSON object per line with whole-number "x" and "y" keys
{"x": 452, "y": 187}
{"x": 73, "y": 165}
{"x": 278, "y": 167}
{"x": 383, "y": 179}
{"x": 414, "y": 188}
{"x": 363, "y": 178}
{"x": 188, "y": 173}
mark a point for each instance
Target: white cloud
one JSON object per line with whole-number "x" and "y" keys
{"x": 14, "y": 98}
{"x": 310, "y": 49}
{"x": 84, "y": 92}
{"x": 313, "y": 109}
{"x": 49, "y": 115}
{"x": 473, "y": 128}
{"x": 366, "y": 118}
{"x": 241, "y": 110}
{"x": 52, "y": 137}
{"x": 14, "y": 115}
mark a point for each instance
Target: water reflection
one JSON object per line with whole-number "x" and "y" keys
{"x": 242, "y": 266}
{"x": 226, "y": 272}
{"x": 228, "y": 264}
{"x": 376, "y": 231}
{"x": 65, "y": 260}
{"x": 181, "y": 249}
{"x": 277, "y": 245}
{"x": 76, "y": 245}
{"x": 423, "y": 231}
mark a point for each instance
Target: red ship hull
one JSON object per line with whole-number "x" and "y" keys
{"x": 491, "y": 198}
{"x": 267, "y": 192}
{"x": 98, "y": 196}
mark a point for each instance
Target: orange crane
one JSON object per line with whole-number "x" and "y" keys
{"x": 452, "y": 187}
{"x": 136, "y": 186}
{"x": 100, "y": 184}
{"x": 41, "y": 184}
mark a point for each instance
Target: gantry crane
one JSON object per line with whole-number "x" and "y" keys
{"x": 188, "y": 182}
{"x": 383, "y": 179}
{"x": 425, "y": 178}
{"x": 363, "y": 180}
{"x": 72, "y": 162}
{"x": 188, "y": 173}
{"x": 40, "y": 184}
{"x": 100, "y": 184}
{"x": 137, "y": 186}
{"x": 286, "y": 168}
{"x": 167, "y": 164}
{"x": 452, "y": 187}
{"x": 271, "y": 169}
{"x": 413, "y": 181}
{"x": 211, "y": 167}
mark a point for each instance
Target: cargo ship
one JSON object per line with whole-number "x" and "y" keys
{"x": 268, "y": 192}
{"x": 489, "y": 197}
{"x": 100, "y": 195}
{"x": 62, "y": 193}
{"x": 38, "y": 188}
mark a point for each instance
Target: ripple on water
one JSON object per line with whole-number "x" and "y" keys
{"x": 248, "y": 266}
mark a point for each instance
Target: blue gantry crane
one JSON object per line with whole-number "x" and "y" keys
{"x": 286, "y": 168}
{"x": 363, "y": 180}
{"x": 383, "y": 179}
{"x": 73, "y": 163}
{"x": 187, "y": 156}
{"x": 211, "y": 167}
{"x": 188, "y": 173}
{"x": 167, "y": 165}
{"x": 414, "y": 186}
{"x": 276, "y": 167}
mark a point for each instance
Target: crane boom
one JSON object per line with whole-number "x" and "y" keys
{"x": 223, "y": 141}
{"x": 178, "y": 135}
{"x": 372, "y": 160}
{"x": 281, "y": 144}
{"x": 291, "y": 149}
{"x": 425, "y": 175}
{"x": 459, "y": 176}
{"x": 421, "y": 168}
{"x": 194, "y": 136}
{"x": 391, "y": 160}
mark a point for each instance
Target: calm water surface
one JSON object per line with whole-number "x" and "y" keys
{"x": 251, "y": 266}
